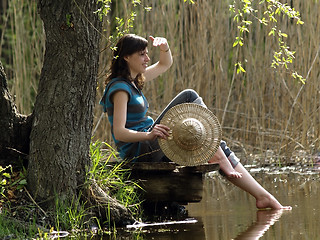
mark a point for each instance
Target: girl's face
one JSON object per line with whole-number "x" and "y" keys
{"x": 137, "y": 62}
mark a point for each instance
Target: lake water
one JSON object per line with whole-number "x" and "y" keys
{"x": 226, "y": 212}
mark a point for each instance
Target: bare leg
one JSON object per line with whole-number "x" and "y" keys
{"x": 263, "y": 198}
{"x": 225, "y": 164}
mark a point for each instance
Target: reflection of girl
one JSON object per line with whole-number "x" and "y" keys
{"x": 265, "y": 219}
{"x": 135, "y": 134}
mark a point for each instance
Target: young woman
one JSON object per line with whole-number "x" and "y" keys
{"x": 135, "y": 134}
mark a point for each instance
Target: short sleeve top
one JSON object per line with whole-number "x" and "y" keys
{"x": 137, "y": 108}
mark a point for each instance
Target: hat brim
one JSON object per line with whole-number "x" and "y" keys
{"x": 208, "y": 148}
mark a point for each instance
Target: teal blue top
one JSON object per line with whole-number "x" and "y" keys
{"x": 137, "y": 108}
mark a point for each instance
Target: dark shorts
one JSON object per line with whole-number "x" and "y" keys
{"x": 150, "y": 152}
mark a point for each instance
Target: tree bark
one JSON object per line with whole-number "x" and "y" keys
{"x": 14, "y": 127}
{"x": 56, "y": 137}
{"x": 63, "y": 111}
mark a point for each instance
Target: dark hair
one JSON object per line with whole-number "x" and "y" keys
{"x": 127, "y": 45}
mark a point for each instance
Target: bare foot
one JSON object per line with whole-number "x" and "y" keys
{"x": 270, "y": 202}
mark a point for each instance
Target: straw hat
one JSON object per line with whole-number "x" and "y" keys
{"x": 195, "y": 134}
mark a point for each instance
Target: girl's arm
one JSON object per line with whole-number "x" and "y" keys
{"x": 120, "y": 100}
{"x": 164, "y": 62}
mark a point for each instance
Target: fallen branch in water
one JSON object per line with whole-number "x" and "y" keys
{"x": 141, "y": 225}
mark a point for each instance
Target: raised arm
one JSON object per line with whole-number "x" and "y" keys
{"x": 164, "y": 62}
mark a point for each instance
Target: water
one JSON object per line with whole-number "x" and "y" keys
{"x": 226, "y": 212}
{"x": 229, "y": 213}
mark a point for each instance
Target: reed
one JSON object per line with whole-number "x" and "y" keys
{"x": 21, "y": 50}
{"x": 261, "y": 109}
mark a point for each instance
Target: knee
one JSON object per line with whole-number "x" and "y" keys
{"x": 192, "y": 93}
{"x": 219, "y": 157}
{"x": 191, "y": 96}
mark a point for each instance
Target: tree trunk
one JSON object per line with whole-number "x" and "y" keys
{"x": 14, "y": 127}
{"x": 63, "y": 111}
{"x": 58, "y": 133}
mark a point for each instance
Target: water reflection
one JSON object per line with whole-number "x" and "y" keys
{"x": 229, "y": 213}
{"x": 226, "y": 212}
{"x": 265, "y": 219}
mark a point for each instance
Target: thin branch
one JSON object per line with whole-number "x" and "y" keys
{"x": 230, "y": 91}
{"x": 35, "y": 202}
{"x": 296, "y": 98}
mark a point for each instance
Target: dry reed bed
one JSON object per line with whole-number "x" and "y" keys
{"x": 21, "y": 51}
{"x": 262, "y": 109}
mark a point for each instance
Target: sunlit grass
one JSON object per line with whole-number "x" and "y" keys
{"x": 74, "y": 216}
{"x": 111, "y": 173}
{"x": 112, "y": 176}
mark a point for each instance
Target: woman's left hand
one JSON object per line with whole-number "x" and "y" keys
{"x": 160, "y": 42}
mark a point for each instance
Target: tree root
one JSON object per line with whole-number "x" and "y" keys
{"x": 108, "y": 208}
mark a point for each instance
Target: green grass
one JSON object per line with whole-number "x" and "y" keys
{"x": 72, "y": 216}
{"x": 111, "y": 173}
{"x": 14, "y": 228}
{"x": 111, "y": 176}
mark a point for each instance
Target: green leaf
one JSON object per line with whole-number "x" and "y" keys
{"x": 272, "y": 32}
{"x": 23, "y": 182}
{"x": 3, "y": 182}
{"x": 300, "y": 22}
{"x": 7, "y": 175}
{"x": 239, "y": 67}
